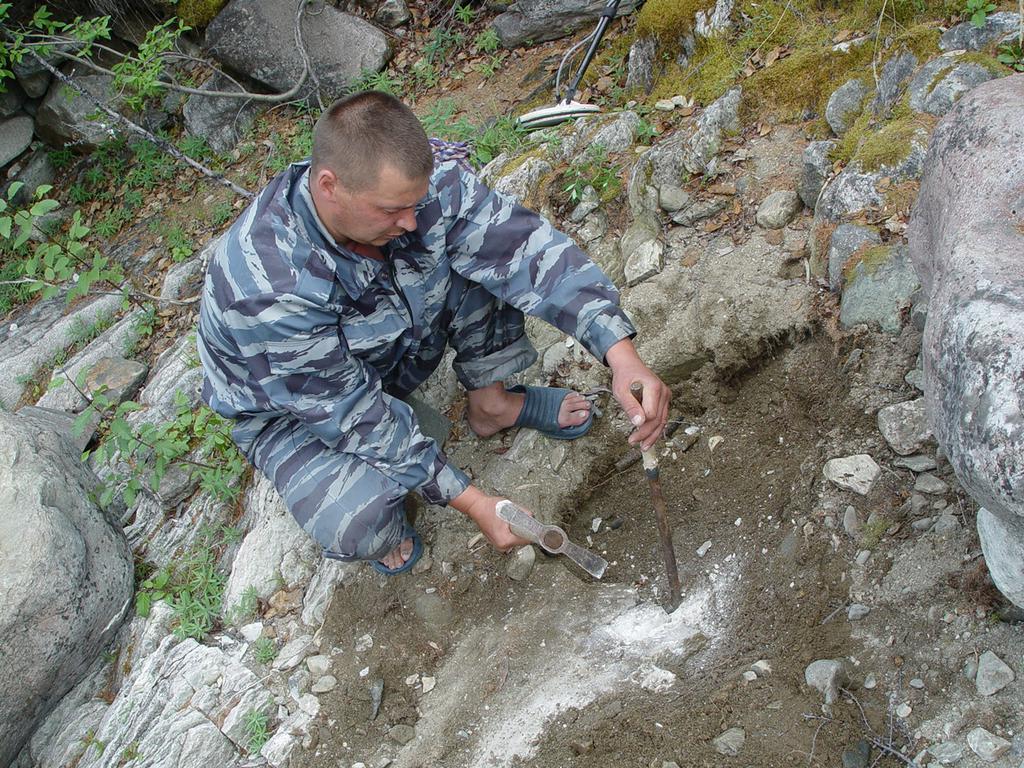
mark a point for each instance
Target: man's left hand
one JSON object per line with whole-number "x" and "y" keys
{"x": 650, "y": 417}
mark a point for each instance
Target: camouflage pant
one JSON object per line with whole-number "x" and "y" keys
{"x": 352, "y": 509}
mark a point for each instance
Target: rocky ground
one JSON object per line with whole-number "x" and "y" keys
{"x": 836, "y": 606}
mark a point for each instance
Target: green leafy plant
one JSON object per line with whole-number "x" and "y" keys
{"x": 487, "y": 41}
{"x": 425, "y": 75}
{"x": 464, "y": 13}
{"x": 178, "y": 243}
{"x": 978, "y": 11}
{"x": 139, "y": 73}
{"x": 90, "y": 740}
{"x": 376, "y": 81}
{"x": 221, "y": 214}
{"x": 263, "y": 650}
{"x": 131, "y": 752}
{"x": 256, "y": 729}
{"x": 61, "y": 158}
{"x": 247, "y": 606}
{"x": 489, "y": 66}
{"x": 645, "y": 132}
{"x": 593, "y": 170}
{"x": 441, "y": 43}
{"x": 1012, "y": 55}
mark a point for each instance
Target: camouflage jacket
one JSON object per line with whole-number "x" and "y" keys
{"x": 294, "y": 324}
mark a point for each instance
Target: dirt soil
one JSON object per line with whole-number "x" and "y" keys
{"x": 560, "y": 670}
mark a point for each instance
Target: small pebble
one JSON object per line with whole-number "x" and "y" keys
{"x": 325, "y": 684}
{"x": 703, "y": 548}
{"x": 903, "y": 710}
{"x": 862, "y": 556}
{"x": 664, "y": 105}
{"x": 870, "y": 681}
{"x": 595, "y": 524}
{"x": 917, "y": 682}
{"x": 428, "y": 684}
{"x": 750, "y": 676}
{"x": 857, "y": 612}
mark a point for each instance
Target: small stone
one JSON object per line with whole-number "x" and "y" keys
{"x": 863, "y": 556}
{"x": 946, "y": 753}
{"x": 857, "y": 612}
{"x": 595, "y": 524}
{"x": 826, "y": 676}
{"x": 850, "y": 522}
{"x": 294, "y": 653}
{"x": 664, "y": 105}
{"x": 750, "y": 676}
{"x": 703, "y": 548}
{"x": 672, "y": 198}
{"x": 251, "y": 632}
{"x": 434, "y": 610}
{"x": 762, "y": 667}
{"x": 918, "y": 504}
{"x": 870, "y": 681}
{"x": 521, "y": 563}
{"x": 856, "y": 473}
{"x": 428, "y": 684}
{"x": 917, "y": 463}
{"x": 970, "y": 666}
{"x": 903, "y": 710}
{"x": 917, "y": 682}
{"x": 923, "y": 524}
{"x": 402, "y": 734}
{"x": 931, "y": 485}
{"x": 364, "y": 643}
{"x": 318, "y": 665}
{"x": 915, "y": 378}
{"x": 987, "y": 746}
{"x": 993, "y": 674}
{"x": 778, "y": 209}
{"x": 906, "y": 427}
{"x": 947, "y": 523}
{"x": 325, "y": 684}
{"x": 857, "y": 755}
{"x": 730, "y": 743}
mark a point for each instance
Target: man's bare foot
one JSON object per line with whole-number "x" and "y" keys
{"x": 397, "y": 557}
{"x": 493, "y": 409}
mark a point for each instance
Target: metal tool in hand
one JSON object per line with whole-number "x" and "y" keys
{"x": 550, "y": 538}
{"x": 668, "y": 553}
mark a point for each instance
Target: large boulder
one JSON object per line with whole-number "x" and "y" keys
{"x": 966, "y": 235}
{"x": 221, "y": 120}
{"x": 67, "y": 117}
{"x": 258, "y": 39}
{"x": 540, "y": 20}
{"x": 65, "y": 575}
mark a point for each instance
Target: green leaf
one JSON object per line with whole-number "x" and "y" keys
{"x": 5, "y": 227}
{"x": 43, "y": 207}
{"x": 42, "y": 190}
{"x": 143, "y": 604}
{"x": 14, "y": 189}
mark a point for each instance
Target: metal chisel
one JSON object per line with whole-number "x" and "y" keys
{"x": 550, "y": 538}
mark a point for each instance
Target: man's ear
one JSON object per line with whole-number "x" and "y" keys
{"x": 327, "y": 184}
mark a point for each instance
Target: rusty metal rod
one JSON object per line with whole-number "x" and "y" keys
{"x": 668, "y": 552}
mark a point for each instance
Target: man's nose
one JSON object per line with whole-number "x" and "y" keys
{"x": 407, "y": 220}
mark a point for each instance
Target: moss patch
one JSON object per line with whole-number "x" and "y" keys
{"x": 873, "y": 145}
{"x": 668, "y": 20}
{"x": 711, "y": 74}
{"x": 799, "y": 86}
{"x": 869, "y": 257}
{"x": 197, "y": 13}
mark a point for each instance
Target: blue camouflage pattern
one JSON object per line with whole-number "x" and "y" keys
{"x": 310, "y": 347}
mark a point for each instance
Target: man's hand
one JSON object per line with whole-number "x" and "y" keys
{"x": 650, "y": 417}
{"x": 481, "y": 509}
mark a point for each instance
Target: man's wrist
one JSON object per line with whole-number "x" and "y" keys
{"x": 621, "y": 353}
{"x": 468, "y": 502}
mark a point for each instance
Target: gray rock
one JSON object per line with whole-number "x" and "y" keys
{"x": 65, "y": 117}
{"x": 827, "y": 676}
{"x": 618, "y": 134}
{"x": 589, "y": 202}
{"x": 392, "y": 13}
{"x": 778, "y": 209}
{"x": 993, "y": 674}
{"x": 645, "y": 229}
{"x": 711, "y": 21}
{"x": 850, "y": 191}
{"x": 220, "y": 120}
{"x": 1002, "y": 542}
{"x": 11, "y": 100}
{"x": 942, "y": 81}
{"x": 38, "y": 170}
{"x": 917, "y": 463}
{"x": 520, "y": 565}
{"x": 857, "y": 755}
{"x": 672, "y": 198}
{"x": 895, "y": 75}
{"x": 845, "y": 105}
{"x": 915, "y": 378}
{"x": 946, "y": 523}
{"x": 294, "y": 653}
{"x": 646, "y": 261}
{"x": 523, "y": 180}
{"x": 931, "y": 485}
{"x": 923, "y": 524}
{"x": 877, "y": 290}
{"x": 946, "y": 753}
{"x": 402, "y": 734}
{"x": 15, "y": 136}
{"x": 640, "y": 69}
{"x": 730, "y": 743}
{"x": 850, "y": 522}
{"x": 847, "y": 240}
{"x": 720, "y": 117}
{"x": 275, "y": 554}
{"x": 176, "y": 370}
{"x": 987, "y": 746}
{"x": 594, "y": 227}
{"x": 109, "y": 345}
{"x": 540, "y": 20}
{"x": 856, "y": 473}
{"x": 700, "y": 210}
{"x": 857, "y": 612}
{"x": 65, "y": 573}
{"x": 325, "y": 684}
{"x": 966, "y": 246}
{"x": 967, "y": 37}
{"x": 906, "y": 426}
{"x": 816, "y": 167}
{"x": 434, "y": 611}
{"x": 340, "y": 46}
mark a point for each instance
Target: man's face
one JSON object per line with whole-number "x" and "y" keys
{"x": 372, "y": 216}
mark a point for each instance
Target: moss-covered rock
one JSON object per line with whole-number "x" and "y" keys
{"x": 196, "y": 13}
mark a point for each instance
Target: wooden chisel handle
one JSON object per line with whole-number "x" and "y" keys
{"x": 650, "y": 458}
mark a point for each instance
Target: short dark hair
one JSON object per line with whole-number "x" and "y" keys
{"x": 358, "y": 134}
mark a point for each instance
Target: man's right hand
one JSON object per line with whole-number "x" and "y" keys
{"x": 481, "y": 509}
